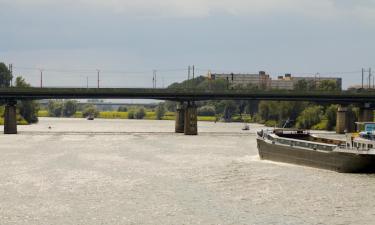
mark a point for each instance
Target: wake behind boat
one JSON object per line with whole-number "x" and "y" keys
{"x": 355, "y": 155}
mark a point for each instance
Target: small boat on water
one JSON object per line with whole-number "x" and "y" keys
{"x": 354, "y": 155}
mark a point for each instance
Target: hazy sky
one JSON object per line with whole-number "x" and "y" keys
{"x": 128, "y": 39}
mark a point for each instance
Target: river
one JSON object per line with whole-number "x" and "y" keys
{"x": 74, "y": 171}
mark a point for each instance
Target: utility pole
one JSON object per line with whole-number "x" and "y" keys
{"x": 363, "y": 75}
{"x": 11, "y": 74}
{"x": 187, "y": 83}
{"x": 41, "y": 78}
{"x": 87, "y": 82}
{"x": 154, "y": 78}
{"x": 369, "y": 75}
{"x": 98, "y": 77}
{"x": 369, "y": 78}
{"x": 193, "y": 72}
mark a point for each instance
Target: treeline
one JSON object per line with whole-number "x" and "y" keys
{"x": 26, "y": 110}
{"x": 71, "y": 108}
{"x": 304, "y": 115}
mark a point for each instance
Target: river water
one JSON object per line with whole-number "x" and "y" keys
{"x": 140, "y": 172}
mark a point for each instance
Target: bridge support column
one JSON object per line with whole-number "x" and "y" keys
{"x": 180, "y": 118}
{"x": 191, "y": 120}
{"x": 10, "y": 118}
{"x": 345, "y": 122}
{"x": 366, "y": 113}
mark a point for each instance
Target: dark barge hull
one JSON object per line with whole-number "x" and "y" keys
{"x": 336, "y": 161}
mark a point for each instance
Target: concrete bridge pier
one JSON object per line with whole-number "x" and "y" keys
{"x": 345, "y": 122}
{"x": 180, "y": 118}
{"x": 10, "y": 118}
{"x": 191, "y": 120}
{"x": 366, "y": 113}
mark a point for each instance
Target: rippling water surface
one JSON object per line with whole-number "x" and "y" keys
{"x": 140, "y": 172}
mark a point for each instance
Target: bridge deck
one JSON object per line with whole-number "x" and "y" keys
{"x": 185, "y": 94}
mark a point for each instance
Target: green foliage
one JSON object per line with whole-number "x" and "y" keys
{"x": 69, "y": 108}
{"x": 280, "y": 111}
{"x": 230, "y": 109}
{"x": 206, "y": 111}
{"x": 122, "y": 109}
{"x": 140, "y": 114}
{"x": 131, "y": 114}
{"x": 55, "y": 108}
{"x": 201, "y": 83}
{"x": 331, "y": 117}
{"x": 311, "y": 116}
{"x": 27, "y": 109}
{"x": 90, "y": 110}
{"x": 271, "y": 123}
{"x": 328, "y": 85}
{"x": 5, "y": 76}
{"x": 113, "y": 115}
{"x": 322, "y": 125}
{"x": 160, "y": 111}
{"x": 43, "y": 113}
{"x": 170, "y": 106}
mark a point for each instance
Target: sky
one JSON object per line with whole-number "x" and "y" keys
{"x": 126, "y": 40}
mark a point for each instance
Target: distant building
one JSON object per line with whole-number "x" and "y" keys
{"x": 258, "y": 80}
{"x": 264, "y": 81}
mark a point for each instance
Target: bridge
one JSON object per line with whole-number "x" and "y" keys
{"x": 186, "y": 113}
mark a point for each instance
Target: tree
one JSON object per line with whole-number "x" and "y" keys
{"x": 309, "y": 117}
{"x": 160, "y": 111}
{"x": 206, "y": 111}
{"x": 131, "y": 114}
{"x": 331, "y": 115}
{"x": 328, "y": 85}
{"x": 27, "y": 109}
{"x": 69, "y": 108}
{"x": 55, "y": 108}
{"x": 122, "y": 109}
{"x": 301, "y": 85}
{"x": 90, "y": 110}
{"x": 5, "y": 76}
{"x": 229, "y": 110}
{"x": 140, "y": 114}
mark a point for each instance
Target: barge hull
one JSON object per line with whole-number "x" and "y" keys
{"x": 336, "y": 161}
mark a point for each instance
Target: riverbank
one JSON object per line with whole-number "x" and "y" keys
{"x": 124, "y": 115}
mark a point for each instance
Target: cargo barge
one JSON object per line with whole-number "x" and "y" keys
{"x": 355, "y": 155}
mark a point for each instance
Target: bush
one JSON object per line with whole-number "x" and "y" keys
{"x": 140, "y": 114}
{"x": 160, "y": 111}
{"x": 321, "y": 126}
{"x": 55, "y": 108}
{"x": 206, "y": 111}
{"x": 69, "y": 108}
{"x": 271, "y": 123}
{"x": 90, "y": 110}
{"x": 113, "y": 115}
{"x": 309, "y": 117}
{"x": 131, "y": 114}
{"x": 122, "y": 109}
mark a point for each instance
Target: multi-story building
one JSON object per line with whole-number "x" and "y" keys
{"x": 264, "y": 81}
{"x": 258, "y": 80}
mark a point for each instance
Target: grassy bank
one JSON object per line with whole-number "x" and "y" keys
{"x": 20, "y": 120}
{"x": 124, "y": 115}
